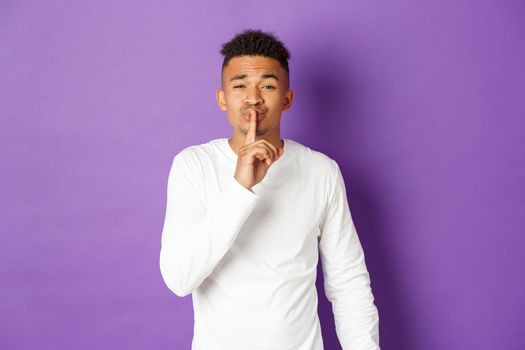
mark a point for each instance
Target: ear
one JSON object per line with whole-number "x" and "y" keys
{"x": 288, "y": 98}
{"x": 221, "y": 101}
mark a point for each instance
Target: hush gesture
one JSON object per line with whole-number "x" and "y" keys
{"x": 255, "y": 157}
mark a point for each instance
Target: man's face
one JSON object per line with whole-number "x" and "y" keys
{"x": 258, "y": 83}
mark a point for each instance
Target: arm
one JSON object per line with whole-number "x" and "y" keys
{"x": 346, "y": 279}
{"x": 195, "y": 238}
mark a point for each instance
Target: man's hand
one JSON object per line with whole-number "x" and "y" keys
{"x": 255, "y": 157}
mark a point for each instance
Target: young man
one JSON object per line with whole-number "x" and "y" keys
{"x": 247, "y": 216}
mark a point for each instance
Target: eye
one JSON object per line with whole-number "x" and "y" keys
{"x": 269, "y": 86}
{"x": 236, "y": 86}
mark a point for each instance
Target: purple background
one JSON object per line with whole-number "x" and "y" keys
{"x": 420, "y": 102}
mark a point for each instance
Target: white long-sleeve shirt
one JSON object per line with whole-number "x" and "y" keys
{"x": 249, "y": 256}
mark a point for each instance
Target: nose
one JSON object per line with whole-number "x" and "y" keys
{"x": 253, "y": 97}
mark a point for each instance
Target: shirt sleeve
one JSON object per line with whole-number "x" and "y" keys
{"x": 196, "y": 237}
{"x": 346, "y": 279}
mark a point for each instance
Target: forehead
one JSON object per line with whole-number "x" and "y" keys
{"x": 252, "y": 65}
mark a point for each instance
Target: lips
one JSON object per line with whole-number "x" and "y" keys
{"x": 260, "y": 115}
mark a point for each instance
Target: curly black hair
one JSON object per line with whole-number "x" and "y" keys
{"x": 255, "y": 42}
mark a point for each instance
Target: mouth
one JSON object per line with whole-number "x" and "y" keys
{"x": 260, "y": 115}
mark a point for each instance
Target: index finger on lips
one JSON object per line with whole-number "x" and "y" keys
{"x": 250, "y": 136}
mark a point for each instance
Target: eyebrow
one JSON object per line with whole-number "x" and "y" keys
{"x": 263, "y": 76}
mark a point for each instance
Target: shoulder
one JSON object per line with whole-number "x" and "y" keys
{"x": 195, "y": 157}
{"x": 319, "y": 169}
{"x": 198, "y": 151}
{"x": 314, "y": 160}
